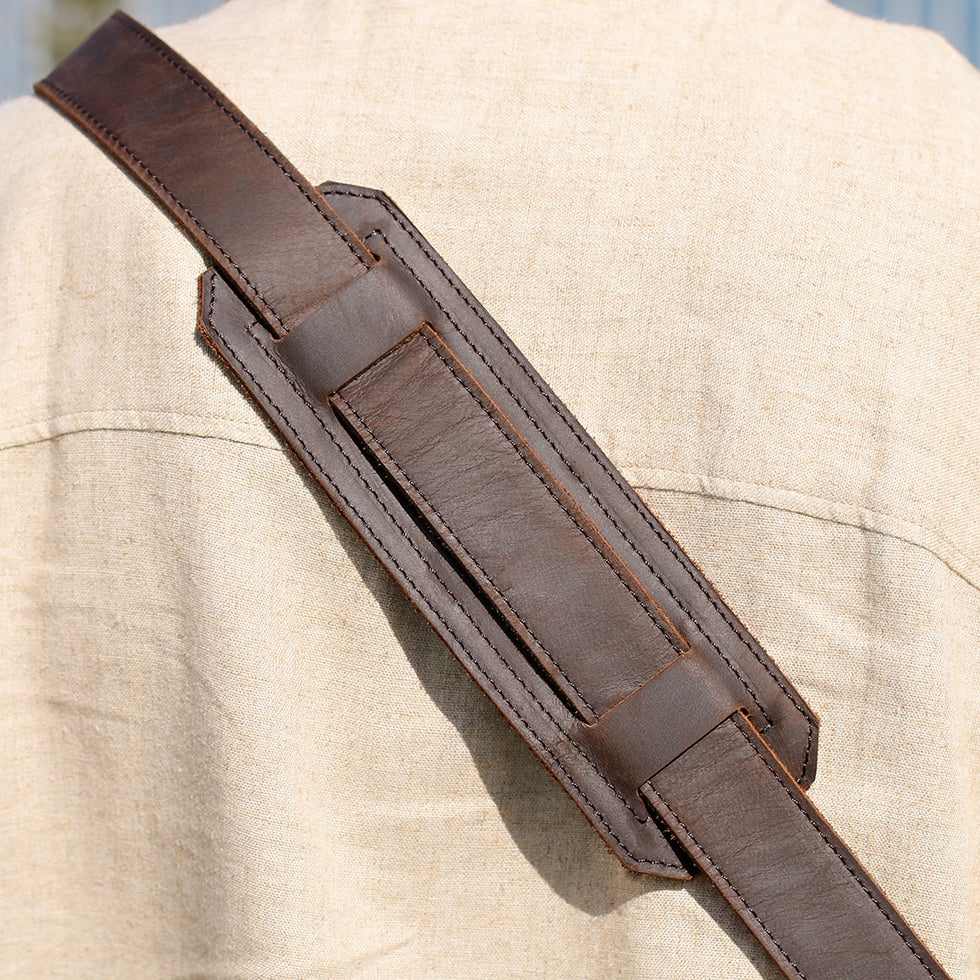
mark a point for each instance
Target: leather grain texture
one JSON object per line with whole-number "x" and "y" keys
{"x": 786, "y": 873}
{"x": 510, "y": 524}
{"x": 250, "y": 210}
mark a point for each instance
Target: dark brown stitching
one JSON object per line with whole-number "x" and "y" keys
{"x": 387, "y": 458}
{"x": 648, "y": 788}
{"x": 154, "y": 45}
{"x": 113, "y": 138}
{"x": 209, "y": 316}
{"x": 834, "y": 850}
{"x": 811, "y": 730}
{"x": 463, "y": 653}
{"x": 610, "y": 471}
{"x": 551, "y": 491}
{"x": 727, "y": 660}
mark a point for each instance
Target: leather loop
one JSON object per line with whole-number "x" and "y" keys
{"x": 332, "y": 346}
{"x": 635, "y": 739}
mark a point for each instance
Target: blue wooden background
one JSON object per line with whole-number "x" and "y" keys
{"x": 23, "y": 55}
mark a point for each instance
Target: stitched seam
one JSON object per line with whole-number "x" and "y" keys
{"x": 721, "y": 874}
{"x": 113, "y": 138}
{"x": 239, "y": 122}
{"x": 644, "y": 516}
{"x": 731, "y": 664}
{"x": 888, "y": 524}
{"x": 136, "y": 430}
{"x": 727, "y": 660}
{"x": 447, "y": 530}
{"x": 526, "y": 726}
{"x": 111, "y": 413}
{"x": 836, "y": 852}
{"x": 755, "y": 492}
{"x": 550, "y": 490}
{"x": 421, "y": 596}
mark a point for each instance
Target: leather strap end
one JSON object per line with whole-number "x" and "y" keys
{"x": 275, "y": 239}
{"x": 744, "y": 821}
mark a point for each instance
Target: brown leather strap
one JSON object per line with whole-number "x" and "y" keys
{"x": 260, "y": 221}
{"x": 790, "y": 878}
{"x": 514, "y": 528}
{"x": 520, "y": 543}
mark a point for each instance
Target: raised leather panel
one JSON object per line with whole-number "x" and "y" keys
{"x": 432, "y": 580}
{"x": 534, "y": 555}
{"x": 249, "y": 209}
{"x": 751, "y": 829}
{"x": 598, "y": 489}
{"x": 733, "y": 666}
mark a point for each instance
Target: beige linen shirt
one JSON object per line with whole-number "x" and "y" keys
{"x": 742, "y": 241}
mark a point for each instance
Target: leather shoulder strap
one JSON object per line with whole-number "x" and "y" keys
{"x": 258, "y": 219}
{"x": 502, "y": 521}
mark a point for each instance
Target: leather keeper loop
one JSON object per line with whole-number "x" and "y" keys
{"x": 635, "y": 739}
{"x": 355, "y": 327}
